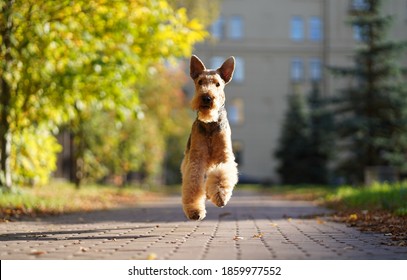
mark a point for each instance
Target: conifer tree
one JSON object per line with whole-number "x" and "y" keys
{"x": 292, "y": 149}
{"x": 372, "y": 114}
{"x": 321, "y": 137}
{"x": 306, "y": 143}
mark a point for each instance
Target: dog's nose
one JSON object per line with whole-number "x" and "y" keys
{"x": 206, "y": 99}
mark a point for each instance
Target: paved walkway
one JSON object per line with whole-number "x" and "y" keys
{"x": 249, "y": 227}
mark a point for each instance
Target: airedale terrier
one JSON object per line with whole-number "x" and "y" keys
{"x": 209, "y": 169}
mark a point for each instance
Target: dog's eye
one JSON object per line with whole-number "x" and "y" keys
{"x": 217, "y": 85}
{"x": 200, "y": 82}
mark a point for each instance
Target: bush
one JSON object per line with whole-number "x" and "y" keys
{"x": 34, "y": 156}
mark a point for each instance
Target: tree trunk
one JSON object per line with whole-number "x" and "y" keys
{"x": 5, "y": 137}
{"x": 5, "y": 99}
{"x": 78, "y": 141}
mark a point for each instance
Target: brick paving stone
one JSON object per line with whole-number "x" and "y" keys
{"x": 249, "y": 227}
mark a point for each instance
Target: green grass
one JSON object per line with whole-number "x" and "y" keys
{"x": 60, "y": 197}
{"x": 384, "y": 196}
{"x": 379, "y": 196}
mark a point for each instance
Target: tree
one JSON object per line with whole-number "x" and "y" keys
{"x": 292, "y": 151}
{"x": 165, "y": 102}
{"x": 371, "y": 115}
{"x": 142, "y": 142}
{"x": 33, "y": 158}
{"x": 58, "y": 60}
{"x": 306, "y": 144}
{"x": 206, "y": 11}
{"x": 321, "y": 137}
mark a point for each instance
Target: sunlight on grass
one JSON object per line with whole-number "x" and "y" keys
{"x": 60, "y": 197}
{"x": 384, "y": 196}
{"x": 379, "y": 196}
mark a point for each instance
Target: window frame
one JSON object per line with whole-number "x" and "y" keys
{"x": 297, "y": 28}
{"x": 218, "y": 28}
{"x": 315, "y": 73}
{"x": 236, "y": 28}
{"x": 297, "y": 70}
{"x": 315, "y": 29}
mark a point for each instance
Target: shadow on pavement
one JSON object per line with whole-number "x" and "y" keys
{"x": 169, "y": 209}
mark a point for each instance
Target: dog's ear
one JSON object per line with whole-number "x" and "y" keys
{"x": 196, "y": 67}
{"x": 226, "y": 70}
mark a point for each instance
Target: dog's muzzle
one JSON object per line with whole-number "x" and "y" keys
{"x": 206, "y": 100}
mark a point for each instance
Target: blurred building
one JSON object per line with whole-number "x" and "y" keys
{"x": 281, "y": 46}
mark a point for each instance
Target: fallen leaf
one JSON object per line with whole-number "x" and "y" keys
{"x": 83, "y": 249}
{"x": 274, "y": 224}
{"x": 353, "y": 217}
{"x": 402, "y": 243}
{"x": 37, "y": 253}
{"x": 260, "y": 235}
{"x": 238, "y": 238}
{"x": 320, "y": 221}
{"x": 151, "y": 256}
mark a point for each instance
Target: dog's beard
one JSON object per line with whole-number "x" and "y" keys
{"x": 208, "y": 115}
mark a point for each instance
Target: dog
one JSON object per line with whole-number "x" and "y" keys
{"x": 209, "y": 170}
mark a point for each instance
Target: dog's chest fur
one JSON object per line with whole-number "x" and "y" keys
{"x": 210, "y": 131}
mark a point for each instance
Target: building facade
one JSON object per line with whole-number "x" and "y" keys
{"x": 281, "y": 47}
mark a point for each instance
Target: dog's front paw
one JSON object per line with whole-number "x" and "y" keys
{"x": 221, "y": 198}
{"x": 194, "y": 213}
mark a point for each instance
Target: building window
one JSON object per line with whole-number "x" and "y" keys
{"x": 297, "y": 28}
{"x": 218, "y": 28}
{"x": 360, "y": 5}
{"x": 235, "y": 110}
{"x": 360, "y": 32}
{"x": 297, "y": 70}
{"x": 315, "y": 29}
{"x": 236, "y": 28}
{"x": 357, "y": 33}
{"x": 315, "y": 69}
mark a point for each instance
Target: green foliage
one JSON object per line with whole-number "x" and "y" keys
{"x": 206, "y": 11}
{"x": 305, "y": 146}
{"x": 291, "y": 151}
{"x": 384, "y": 196}
{"x": 144, "y": 141}
{"x": 371, "y": 113}
{"x": 61, "y": 60}
{"x": 165, "y": 102}
{"x": 321, "y": 138}
{"x": 34, "y": 156}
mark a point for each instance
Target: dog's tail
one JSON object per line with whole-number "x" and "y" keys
{"x": 220, "y": 181}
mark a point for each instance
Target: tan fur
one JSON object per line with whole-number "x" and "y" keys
{"x": 208, "y": 169}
